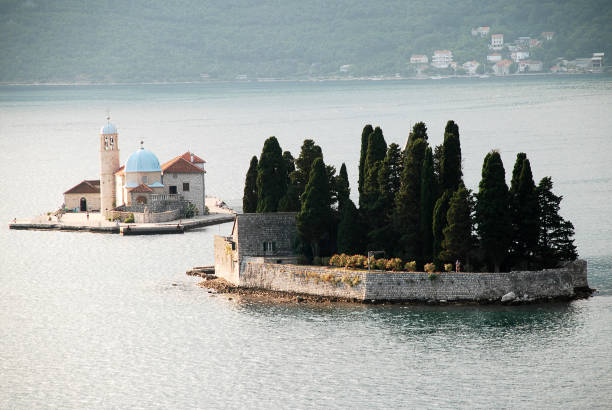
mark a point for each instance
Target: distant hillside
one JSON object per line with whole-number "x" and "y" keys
{"x": 180, "y": 40}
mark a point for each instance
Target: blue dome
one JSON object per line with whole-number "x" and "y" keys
{"x": 142, "y": 161}
{"x": 108, "y": 129}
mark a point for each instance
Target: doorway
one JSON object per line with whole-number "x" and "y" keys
{"x": 83, "y": 204}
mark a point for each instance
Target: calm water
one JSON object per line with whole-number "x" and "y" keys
{"x": 100, "y": 321}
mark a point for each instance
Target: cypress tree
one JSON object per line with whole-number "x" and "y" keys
{"x": 419, "y": 131}
{"x": 437, "y": 161}
{"x": 290, "y": 202}
{"x": 303, "y": 164}
{"x": 365, "y": 134}
{"x": 492, "y": 211}
{"x": 342, "y": 186}
{"x": 408, "y": 202}
{"x": 249, "y": 199}
{"x": 450, "y": 165}
{"x": 516, "y": 172}
{"x": 271, "y": 177}
{"x": 438, "y": 225}
{"x": 457, "y": 241}
{"x": 315, "y": 217}
{"x": 428, "y": 198}
{"x": 524, "y": 210}
{"x": 350, "y": 233}
{"x": 377, "y": 149}
{"x": 555, "y": 242}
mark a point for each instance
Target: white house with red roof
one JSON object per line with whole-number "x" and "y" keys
{"x": 140, "y": 183}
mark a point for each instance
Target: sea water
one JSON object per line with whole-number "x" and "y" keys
{"x": 104, "y": 321}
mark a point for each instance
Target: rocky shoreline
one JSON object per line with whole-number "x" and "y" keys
{"x": 222, "y": 287}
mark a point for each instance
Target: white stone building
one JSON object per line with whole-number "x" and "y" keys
{"x": 419, "y": 59}
{"x": 481, "y": 31}
{"x": 140, "y": 182}
{"x": 494, "y": 58}
{"x": 530, "y": 66}
{"x": 517, "y": 56}
{"x": 470, "y": 67}
{"x": 497, "y": 42}
{"x": 441, "y": 58}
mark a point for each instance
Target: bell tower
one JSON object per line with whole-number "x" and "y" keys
{"x": 109, "y": 163}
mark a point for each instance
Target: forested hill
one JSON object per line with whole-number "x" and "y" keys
{"x": 179, "y": 40}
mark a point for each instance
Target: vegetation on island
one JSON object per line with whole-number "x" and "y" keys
{"x": 189, "y": 40}
{"x": 413, "y": 207}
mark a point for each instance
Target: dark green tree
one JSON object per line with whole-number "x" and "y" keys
{"x": 271, "y": 177}
{"x": 342, "y": 186}
{"x": 408, "y": 202}
{"x": 438, "y": 225}
{"x": 555, "y": 242}
{"x": 377, "y": 149}
{"x": 303, "y": 163}
{"x": 524, "y": 211}
{"x": 419, "y": 131}
{"x": 457, "y": 241}
{"x": 249, "y": 199}
{"x": 493, "y": 212}
{"x": 315, "y": 216}
{"x": 428, "y": 199}
{"x": 365, "y": 134}
{"x": 437, "y": 161}
{"x": 290, "y": 202}
{"x": 451, "y": 175}
{"x": 350, "y": 230}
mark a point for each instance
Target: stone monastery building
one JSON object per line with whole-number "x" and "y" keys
{"x": 141, "y": 183}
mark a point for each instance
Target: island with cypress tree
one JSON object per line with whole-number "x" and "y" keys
{"x": 415, "y": 214}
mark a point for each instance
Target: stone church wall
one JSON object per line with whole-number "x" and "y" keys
{"x": 196, "y": 193}
{"x": 407, "y": 286}
{"x": 73, "y": 201}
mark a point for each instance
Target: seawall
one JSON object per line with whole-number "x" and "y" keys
{"x": 377, "y": 286}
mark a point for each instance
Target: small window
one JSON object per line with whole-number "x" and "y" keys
{"x": 172, "y": 189}
{"x": 186, "y": 186}
{"x": 144, "y": 179}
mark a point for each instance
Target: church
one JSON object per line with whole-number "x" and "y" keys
{"x": 141, "y": 184}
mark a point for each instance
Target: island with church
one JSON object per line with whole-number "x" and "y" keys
{"x": 142, "y": 196}
{"x": 417, "y": 234}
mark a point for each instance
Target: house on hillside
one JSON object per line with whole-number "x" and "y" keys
{"x": 441, "y": 58}
{"x": 481, "y": 31}
{"x": 517, "y": 56}
{"x": 530, "y": 66}
{"x": 470, "y": 67}
{"x": 597, "y": 62}
{"x": 419, "y": 59}
{"x": 548, "y": 35}
{"x": 494, "y": 58}
{"x": 502, "y": 67}
{"x": 497, "y": 42}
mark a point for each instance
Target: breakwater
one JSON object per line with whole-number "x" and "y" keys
{"x": 568, "y": 282}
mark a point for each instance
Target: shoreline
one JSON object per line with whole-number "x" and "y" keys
{"x": 222, "y": 287}
{"x": 288, "y": 80}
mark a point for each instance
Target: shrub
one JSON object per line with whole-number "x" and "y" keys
{"x": 394, "y": 264}
{"x": 357, "y": 261}
{"x": 448, "y": 267}
{"x": 344, "y": 260}
{"x": 410, "y": 266}
{"x": 381, "y": 264}
{"x": 335, "y": 260}
{"x": 433, "y": 276}
{"x": 129, "y": 219}
{"x": 430, "y": 267}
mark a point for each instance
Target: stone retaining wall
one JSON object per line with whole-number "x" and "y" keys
{"x": 407, "y": 286}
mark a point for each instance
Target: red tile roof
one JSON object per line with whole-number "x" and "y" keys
{"x": 141, "y": 188}
{"x": 85, "y": 187}
{"x": 180, "y": 165}
{"x": 120, "y": 171}
{"x": 196, "y": 160}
